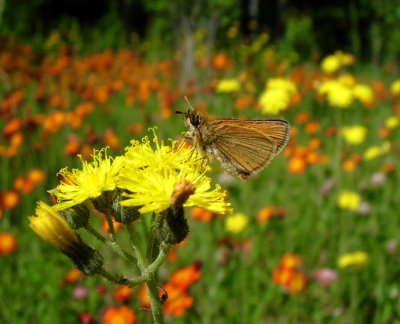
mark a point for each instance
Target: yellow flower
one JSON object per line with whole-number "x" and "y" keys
{"x": 90, "y": 182}
{"x": 227, "y": 85}
{"x": 349, "y": 200}
{"x": 376, "y": 151}
{"x": 392, "y": 122}
{"x": 274, "y": 101}
{"x": 236, "y": 223}
{"x": 281, "y": 84}
{"x": 330, "y": 64}
{"x": 395, "y": 87}
{"x": 151, "y": 177}
{"x": 338, "y": 94}
{"x": 356, "y": 259}
{"x": 354, "y": 135}
{"x": 363, "y": 93}
{"x": 347, "y": 80}
{"x": 52, "y": 227}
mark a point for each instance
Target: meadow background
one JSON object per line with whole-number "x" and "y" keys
{"x": 313, "y": 237}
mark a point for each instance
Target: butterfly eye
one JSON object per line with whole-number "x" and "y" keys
{"x": 195, "y": 120}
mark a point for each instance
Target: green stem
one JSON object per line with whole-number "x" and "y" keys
{"x": 113, "y": 246}
{"x": 123, "y": 280}
{"x": 150, "y": 241}
{"x": 155, "y": 303}
{"x": 164, "y": 248}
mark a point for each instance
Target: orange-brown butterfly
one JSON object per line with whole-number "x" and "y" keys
{"x": 242, "y": 147}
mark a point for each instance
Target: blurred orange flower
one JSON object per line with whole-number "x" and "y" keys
{"x": 9, "y": 199}
{"x": 201, "y": 214}
{"x": 122, "y": 294}
{"x": 122, "y": 315}
{"x": 8, "y": 243}
{"x": 288, "y": 274}
{"x": 72, "y": 276}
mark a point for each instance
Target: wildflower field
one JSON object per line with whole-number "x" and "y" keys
{"x": 313, "y": 238}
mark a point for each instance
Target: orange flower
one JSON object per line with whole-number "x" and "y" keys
{"x": 122, "y": 294}
{"x": 265, "y": 214}
{"x": 312, "y": 127}
{"x": 135, "y": 128}
{"x": 178, "y": 300}
{"x": 383, "y": 132}
{"x": 244, "y": 102}
{"x": 312, "y": 157}
{"x": 220, "y": 61}
{"x": 36, "y": 176}
{"x": 297, "y": 164}
{"x": 111, "y": 140}
{"x": 331, "y": 131}
{"x": 297, "y": 283}
{"x": 71, "y": 276}
{"x": 122, "y": 315}
{"x": 72, "y": 146}
{"x": 104, "y": 225}
{"x": 19, "y": 183}
{"x": 17, "y": 139}
{"x": 143, "y": 296}
{"x": 9, "y": 199}
{"x": 302, "y": 117}
{"x": 8, "y": 243}
{"x": 290, "y": 261}
{"x": 201, "y": 214}
{"x": 184, "y": 277}
{"x": 13, "y": 126}
{"x": 282, "y": 276}
{"x": 172, "y": 256}
{"x": 314, "y": 143}
{"x": 86, "y": 152}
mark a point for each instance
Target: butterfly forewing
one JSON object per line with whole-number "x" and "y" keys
{"x": 245, "y": 147}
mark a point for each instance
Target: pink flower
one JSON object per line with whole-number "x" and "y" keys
{"x": 325, "y": 277}
{"x": 80, "y": 292}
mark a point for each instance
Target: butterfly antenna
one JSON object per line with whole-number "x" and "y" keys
{"x": 191, "y": 107}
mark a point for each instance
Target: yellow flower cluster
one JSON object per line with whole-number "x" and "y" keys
{"x": 341, "y": 92}
{"x": 333, "y": 62}
{"x": 149, "y": 177}
{"x": 376, "y": 151}
{"x": 276, "y": 96}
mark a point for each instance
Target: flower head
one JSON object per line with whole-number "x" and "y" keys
{"x": 96, "y": 177}
{"x": 236, "y": 223}
{"x": 276, "y": 96}
{"x": 227, "y": 85}
{"x": 349, "y": 200}
{"x": 155, "y": 179}
{"x": 354, "y": 134}
{"x": 356, "y": 259}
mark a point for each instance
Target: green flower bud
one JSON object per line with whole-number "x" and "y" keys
{"x": 124, "y": 214}
{"x": 103, "y": 203}
{"x": 76, "y": 216}
{"x": 173, "y": 227}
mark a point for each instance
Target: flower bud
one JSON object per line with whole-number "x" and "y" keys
{"x": 54, "y": 229}
{"x": 103, "y": 203}
{"x": 76, "y": 216}
{"x": 124, "y": 214}
{"x": 173, "y": 227}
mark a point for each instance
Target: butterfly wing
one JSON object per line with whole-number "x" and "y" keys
{"x": 244, "y": 147}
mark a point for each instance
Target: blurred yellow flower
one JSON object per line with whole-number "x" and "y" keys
{"x": 338, "y": 94}
{"x": 236, "y": 223}
{"x": 330, "y": 64}
{"x": 95, "y": 177}
{"x": 356, "y": 259}
{"x": 276, "y": 96}
{"x": 281, "y": 84}
{"x": 395, "y": 87}
{"x": 392, "y": 122}
{"x": 53, "y": 228}
{"x": 347, "y": 80}
{"x": 228, "y": 85}
{"x": 376, "y": 151}
{"x": 363, "y": 93}
{"x": 354, "y": 135}
{"x": 151, "y": 177}
{"x": 274, "y": 101}
{"x": 349, "y": 200}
